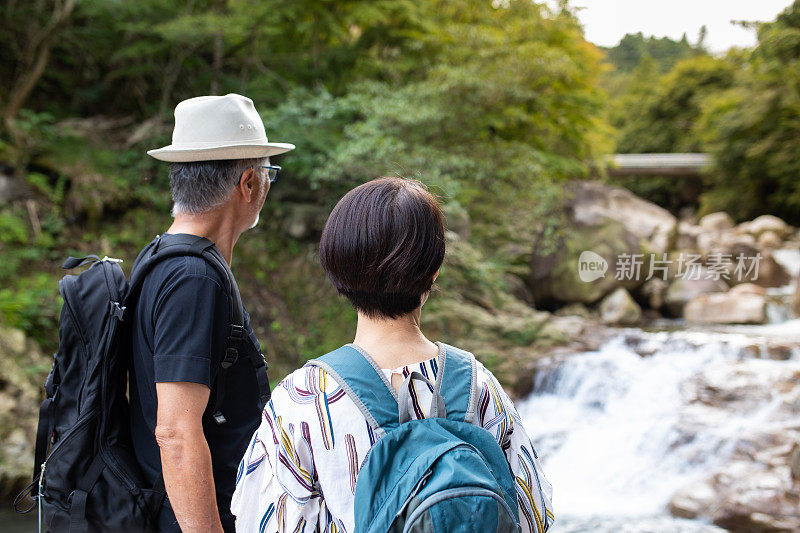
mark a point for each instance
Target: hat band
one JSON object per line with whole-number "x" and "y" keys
{"x": 206, "y": 144}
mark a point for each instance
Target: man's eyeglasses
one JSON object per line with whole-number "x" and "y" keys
{"x": 272, "y": 172}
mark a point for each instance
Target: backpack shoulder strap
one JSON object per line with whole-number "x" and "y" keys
{"x": 457, "y": 382}
{"x": 362, "y": 380}
{"x": 182, "y": 245}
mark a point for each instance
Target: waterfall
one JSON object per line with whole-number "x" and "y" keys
{"x": 622, "y": 429}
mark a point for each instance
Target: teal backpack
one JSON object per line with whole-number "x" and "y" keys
{"x": 438, "y": 474}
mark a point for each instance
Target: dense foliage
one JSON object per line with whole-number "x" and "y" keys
{"x": 492, "y": 104}
{"x": 741, "y": 107}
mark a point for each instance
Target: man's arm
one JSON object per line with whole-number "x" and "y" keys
{"x": 185, "y": 458}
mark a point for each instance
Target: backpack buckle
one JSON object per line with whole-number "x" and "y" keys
{"x": 235, "y": 334}
{"x": 231, "y": 355}
{"x": 118, "y": 310}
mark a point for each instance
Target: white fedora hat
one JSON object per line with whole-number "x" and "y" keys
{"x": 218, "y": 127}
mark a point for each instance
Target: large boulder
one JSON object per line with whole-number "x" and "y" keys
{"x": 734, "y": 307}
{"x": 608, "y": 224}
{"x": 593, "y": 204}
{"x": 618, "y": 308}
{"x": 684, "y": 289}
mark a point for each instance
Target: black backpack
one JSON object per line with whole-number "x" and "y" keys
{"x": 86, "y": 477}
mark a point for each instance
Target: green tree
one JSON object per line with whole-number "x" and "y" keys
{"x": 753, "y": 129}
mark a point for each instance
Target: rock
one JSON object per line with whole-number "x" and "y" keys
{"x": 594, "y": 203}
{"x": 609, "y": 223}
{"x": 618, "y": 308}
{"x": 684, "y": 289}
{"x": 726, "y": 308}
{"x": 769, "y": 223}
{"x": 716, "y": 222}
{"x": 22, "y": 375}
{"x": 769, "y": 239}
{"x": 654, "y": 292}
{"x": 769, "y": 273}
{"x": 693, "y": 501}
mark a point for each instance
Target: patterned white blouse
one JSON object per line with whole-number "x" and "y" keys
{"x": 299, "y": 472}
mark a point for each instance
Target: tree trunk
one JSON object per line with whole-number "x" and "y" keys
{"x": 34, "y": 62}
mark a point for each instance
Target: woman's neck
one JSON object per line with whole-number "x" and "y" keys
{"x": 394, "y": 342}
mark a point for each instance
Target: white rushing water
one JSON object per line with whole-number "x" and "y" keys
{"x": 622, "y": 429}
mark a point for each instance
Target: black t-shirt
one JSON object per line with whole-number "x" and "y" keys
{"x": 181, "y": 323}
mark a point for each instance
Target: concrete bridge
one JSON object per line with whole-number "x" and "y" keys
{"x": 635, "y": 165}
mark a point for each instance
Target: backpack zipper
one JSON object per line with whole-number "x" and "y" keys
{"x": 455, "y": 493}
{"x": 108, "y": 458}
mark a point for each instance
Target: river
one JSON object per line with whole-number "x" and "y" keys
{"x": 623, "y": 428}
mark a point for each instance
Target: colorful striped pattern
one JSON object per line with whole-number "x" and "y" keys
{"x": 304, "y": 455}
{"x": 352, "y": 460}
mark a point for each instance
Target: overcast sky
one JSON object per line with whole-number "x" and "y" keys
{"x": 607, "y": 21}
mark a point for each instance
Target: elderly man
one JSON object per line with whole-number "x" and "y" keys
{"x": 181, "y": 385}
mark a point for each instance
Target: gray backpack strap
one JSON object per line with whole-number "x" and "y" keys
{"x": 364, "y": 383}
{"x": 456, "y": 379}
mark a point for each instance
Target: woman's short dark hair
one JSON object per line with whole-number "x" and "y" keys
{"x": 383, "y": 244}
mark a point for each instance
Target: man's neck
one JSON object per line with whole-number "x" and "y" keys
{"x": 214, "y": 226}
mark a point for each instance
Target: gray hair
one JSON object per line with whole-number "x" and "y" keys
{"x": 199, "y": 187}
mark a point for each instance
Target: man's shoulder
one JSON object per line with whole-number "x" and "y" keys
{"x": 173, "y": 270}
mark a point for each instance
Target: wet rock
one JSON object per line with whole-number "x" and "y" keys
{"x": 619, "y": 308}
{"x": 686, "y": 288}
{"x": 716, "y": 222}
{"x": 745, "y": 495}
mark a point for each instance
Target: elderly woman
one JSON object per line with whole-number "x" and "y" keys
{"x": 382, "y": 248}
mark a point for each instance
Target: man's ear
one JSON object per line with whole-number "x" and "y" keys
{"x": 247, "y": 184}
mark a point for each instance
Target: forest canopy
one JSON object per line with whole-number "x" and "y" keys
{"x": 492, "y": 104}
